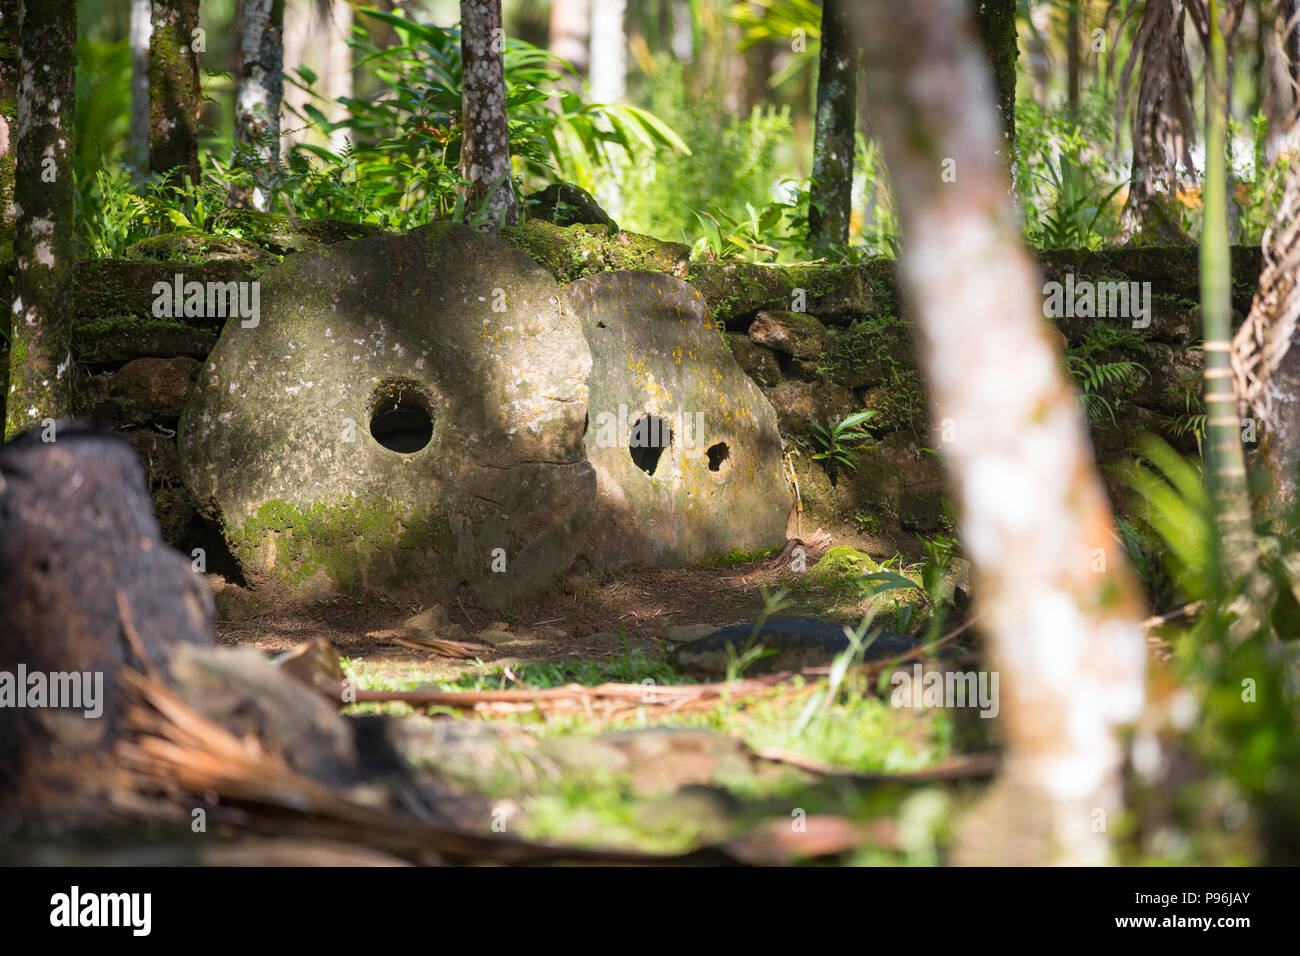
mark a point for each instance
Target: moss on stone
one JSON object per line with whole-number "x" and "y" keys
{"x": 736, "y": 290}
{"x": 567, "y": 252}
{"x": 351, "y": 544}
{"x": 844, "y": 562}
{"x": 572, "y": 252}
{"x": 199, "y": 247}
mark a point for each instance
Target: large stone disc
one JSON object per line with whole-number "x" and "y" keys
{"x": 405, "y": 417}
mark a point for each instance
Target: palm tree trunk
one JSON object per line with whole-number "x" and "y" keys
{"x": 1225, "y": 464}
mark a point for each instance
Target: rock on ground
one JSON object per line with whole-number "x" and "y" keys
{"x": 797, "y": 641}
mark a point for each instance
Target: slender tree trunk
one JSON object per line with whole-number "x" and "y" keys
{"x": 996, "y": 23}
{"x": 1072, "y": 58}
{"x": 261, "y": 88}
{"x": 607, "y": 59}
{"x": 10, "y": 11}
{"x": 837, "y": 112}
{"x": 39, "y": 362}
{"x": 607, "y": 83}
{"x": 485, "y": 148}
{"x": 174, "y": 90}
{"x": 141, "y": 27}
{"x": 339, "y": 82}
{"x": 570, "y": 31}
{"x": 1059, "y": 604}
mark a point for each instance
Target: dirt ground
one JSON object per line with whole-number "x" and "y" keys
{"x": 587, "y": 617}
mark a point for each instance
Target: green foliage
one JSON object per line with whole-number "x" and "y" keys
{"x": 1093, "y": 379}
{"x": 1258, "y": 184}
{"x": 725, "y": 237}
{"x": 1072, "y": 221}
{"x": 1247, "y": 727}
{"x": 931, "y": 589}
{"x": 1064, "y": 175}
{"x": 833, "y": 444}
{"x": 400, "y": 165}
{"x": 1103, "y": 380}
{"x": 734, "y": 162}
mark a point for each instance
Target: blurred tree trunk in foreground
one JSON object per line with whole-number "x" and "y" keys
{"x": 485, "y": 149}
{"x": 43, "y": 185}
{"x": 1059, "y": 604}
{"x": 837, "y": 114}
{"x": 174, "y": 91}
{"x": 261, "y": 88}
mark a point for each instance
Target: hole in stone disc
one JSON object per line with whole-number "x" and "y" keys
{"x": 647, "y": 441}
{"x": 718, "y": 454}
{"x": 400, "y": 419}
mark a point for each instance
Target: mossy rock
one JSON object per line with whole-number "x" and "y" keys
{"x": 405, "y": 418}
{"x": 282, "y": 235}
{"x": 199, "y": 247}
{"x": 114, "y": 287}
{"x": 836, "y": 293}
{"x": 758, "y": 362}
{"x": 573, "y": 252}
{"x": 566, "y": 205}
{"x": 869, "y": 351}
{"x": 844, "y": 562}
{"x": 120, "y": 338}
{"x": 793, "y": 333}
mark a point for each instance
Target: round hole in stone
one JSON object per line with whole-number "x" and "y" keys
{"x": 647, "y": 441}
{"x": 719, "y": 455}
{"x": 400, "y": 417}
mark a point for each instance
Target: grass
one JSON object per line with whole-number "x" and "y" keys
{"x": 845, "y": 722}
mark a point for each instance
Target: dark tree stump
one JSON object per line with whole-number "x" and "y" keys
{"x": 82, "y": 569}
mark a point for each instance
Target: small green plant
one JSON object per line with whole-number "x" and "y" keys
{"x": 1072, "y": 222}
{"x": 1095, "y": 378}
{"x": 933, "y": 591}
{"x": 833, "y": 445}
{"x": 866, "y": 523}
{"x": 740, "y": 661}
{"x": 728, "y": 237}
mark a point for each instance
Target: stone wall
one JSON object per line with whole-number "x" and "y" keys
{"x": 821, "y": 341}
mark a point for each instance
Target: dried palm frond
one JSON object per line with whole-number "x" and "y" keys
{"x": 1264, "y": 338}
{"x": 176, "y": 750}
{"x": 1279, "y": 64}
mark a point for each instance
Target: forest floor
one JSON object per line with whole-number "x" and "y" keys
{"x": 718, "y": 772}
